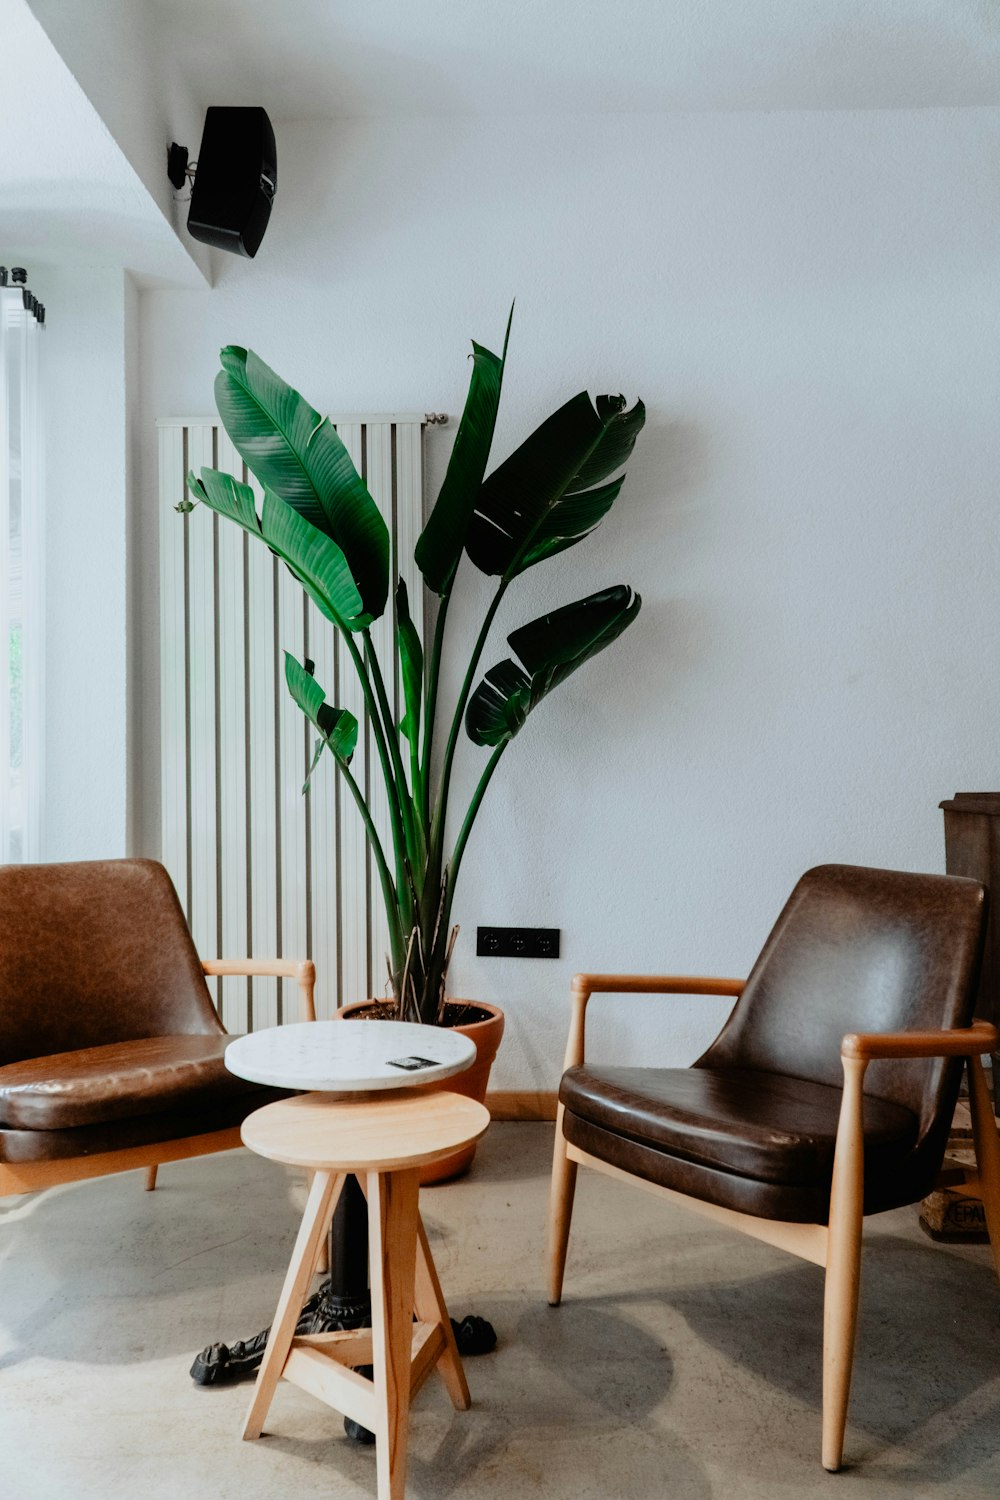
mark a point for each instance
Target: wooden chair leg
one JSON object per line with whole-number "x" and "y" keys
{"x": 392, "y": 1235}
{"x": 987, "y": 1144}
{"x": 430, "y": 1307}
{"x": 560, "y": 1211}
{"x": 150, "y": 1178}
{"x": 843, "y": 1264}
{"x": 323, "y": 1192}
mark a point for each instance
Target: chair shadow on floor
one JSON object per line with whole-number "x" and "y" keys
{"x": 79, "y": 1263}
{"x": 926, "y": 1378}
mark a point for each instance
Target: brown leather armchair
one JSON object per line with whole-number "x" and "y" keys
{"x": 111, "y": 1051}
{"x": 828, "y": 1094}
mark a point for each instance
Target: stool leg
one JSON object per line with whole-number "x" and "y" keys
{"x": 392, "y": 1232}
{"x": 323, "y": 1193}
{"x": 322, "y": 1266}
{"x": 431, "y": 1308}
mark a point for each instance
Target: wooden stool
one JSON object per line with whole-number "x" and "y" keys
{"x": 383, "y": 1140}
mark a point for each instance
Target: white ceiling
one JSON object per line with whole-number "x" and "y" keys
{"x": 313, "y": 58}
{"x": 87, "y": 108}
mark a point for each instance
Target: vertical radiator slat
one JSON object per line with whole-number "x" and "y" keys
{"x": 324, "y": 828}
{"x": 233, "y": 744}
{"x": 353, "y": 846}
{"x": 261, "y": 869}
{"x": 264, "y": 914}
{"x": 173, "y": 670}
{"x": 409, "y": 516}
{"x": 291, "y": 773}
{"x": 378, "y": 453}
{"x": 204, "y": 838}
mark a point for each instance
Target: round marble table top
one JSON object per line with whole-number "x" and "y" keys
{"x": 348, "y": 1056}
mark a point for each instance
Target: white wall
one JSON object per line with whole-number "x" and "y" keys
{"x": 75, "y": 213}
{"x": 130, "y": 72}
{"x": 86, "y": 625}
{"x": 809, "y": 306}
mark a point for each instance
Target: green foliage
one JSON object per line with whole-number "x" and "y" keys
{"x": 296, "y": 453}
{"x": 440, "y": 545}
{"x": 550, "y": 648}
{"x": 542, "y": 499}
{"x": 338, "y": 728}
{"x": 318, "y": 517}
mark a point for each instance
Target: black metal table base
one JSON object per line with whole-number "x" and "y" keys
{"x": 342, "y": 1302}
{"x": 324, "y": 1312}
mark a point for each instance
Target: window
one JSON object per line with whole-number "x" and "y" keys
{"x": 21, "y": 573}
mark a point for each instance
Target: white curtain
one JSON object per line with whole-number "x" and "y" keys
{"x": 21, "y": 580}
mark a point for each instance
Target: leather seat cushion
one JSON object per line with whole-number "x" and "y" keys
{"x": 767, "y": 1127}
{"x": 94, "y": 1085}
{"x": 765, "y": 1200}
{"x": 25, "y": 1146}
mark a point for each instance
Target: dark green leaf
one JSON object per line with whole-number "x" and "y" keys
{"x": 542, "y": 498}
{"x": 550, "y": 649}
{"x": 500, "y": 704}
{"x": 411, "y": 665}
{"x": 442, "y": 539}
{"x": 338, "y": 727}
{"x": 296, "y": 453}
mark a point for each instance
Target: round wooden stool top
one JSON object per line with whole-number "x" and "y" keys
{"x": 390, "y": 1132}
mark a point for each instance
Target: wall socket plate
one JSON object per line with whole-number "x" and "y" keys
{"x": 517, "y": 942}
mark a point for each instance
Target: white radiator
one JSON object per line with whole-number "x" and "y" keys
{"x": 262, "y": 870}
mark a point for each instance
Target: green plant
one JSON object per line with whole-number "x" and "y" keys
{"x": 319, "y": 518}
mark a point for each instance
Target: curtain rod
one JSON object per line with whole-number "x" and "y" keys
{"x": 18, "y": 281}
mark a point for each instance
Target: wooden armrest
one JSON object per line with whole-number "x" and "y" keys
{"x": 283, "y": 968}
{"x": 970, "y": 1041}
{"x": 301, "y": 969}
{"x": 655, "y": 984}
{"x": 585, "y": 985}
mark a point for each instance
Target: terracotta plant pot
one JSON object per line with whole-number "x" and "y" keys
{"x": 473, "y": 1082}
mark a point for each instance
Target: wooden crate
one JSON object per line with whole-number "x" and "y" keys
{"x": 950, "y": 1214}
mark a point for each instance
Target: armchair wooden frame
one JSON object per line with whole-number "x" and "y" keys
{"x": 32, "y": 1177}
{"x": 835, "y": 1246}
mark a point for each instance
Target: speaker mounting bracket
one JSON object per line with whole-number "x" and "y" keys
{"x": 177, "y": 164}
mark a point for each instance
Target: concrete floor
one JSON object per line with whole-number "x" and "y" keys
{"x": 684, "y": 1362}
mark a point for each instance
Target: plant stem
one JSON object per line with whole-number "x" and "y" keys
{"x": 430, "y": 702}
{"x": 388, "y": 889}
{"x": 470, "y": 817}
{"x": 441, "y": 811}
{"x": 405, "y": 803}
{"x": 395, "y": 815}
{"x": 416, "y": 779}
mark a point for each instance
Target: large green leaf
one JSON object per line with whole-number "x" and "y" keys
{"x": 411, "y": 665}
{"x": 228, "y": 496}
{"x": 442, "y": 539}
{"x": 296, "y": 453}
{"x": 548, "y": 494}
{"x": 315, "y": 560}
{"x": 550, "y": 649}
{"x": 338, "y": 727}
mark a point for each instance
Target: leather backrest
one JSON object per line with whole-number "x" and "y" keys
{"x": 862, "y": 950}
{"x": 95, "y": 953}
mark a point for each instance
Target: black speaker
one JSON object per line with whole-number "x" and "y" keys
{"x": 235, "y": 180}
